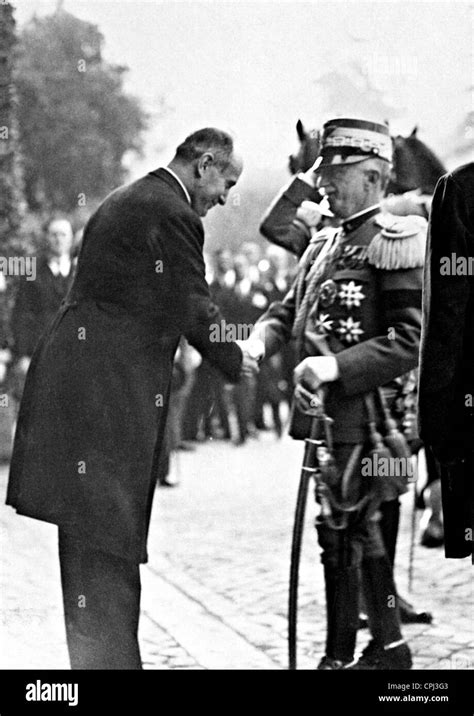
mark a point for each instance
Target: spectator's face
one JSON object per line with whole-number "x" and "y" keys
{"x": 346, "y": 188}
{"x": 59, "y": 238}
{"x": 214, "y": 183}
{"x": 223, "y": 262}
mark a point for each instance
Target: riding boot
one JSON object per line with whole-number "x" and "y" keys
{"x": 381, "y": 600}
{"x": 389, "y": 522}
{"x": 342, "y": 611}
{"x": 390, "y": 518}
{"x": 387, "y": 650}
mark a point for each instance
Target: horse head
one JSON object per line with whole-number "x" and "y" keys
{"x": 310, "y": 143}
{"x": 415, "y": 166}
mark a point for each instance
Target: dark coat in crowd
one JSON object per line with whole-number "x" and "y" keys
{"x": 446, "y": 383}
{"x": 36, "y": 304}
{"x": 92, "y": 418}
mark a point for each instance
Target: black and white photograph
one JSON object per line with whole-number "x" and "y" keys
{"x": 237, "y": 348}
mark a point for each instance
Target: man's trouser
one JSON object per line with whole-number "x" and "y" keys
{"x": 101, "y": 596}
{"x": 351, "y": 553}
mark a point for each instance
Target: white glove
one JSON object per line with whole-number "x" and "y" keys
{"x": 309, "y": 213}
{"x": 309, "y": 175}
{"x": 316, "y": 370}
{"x": 255, "y": 347}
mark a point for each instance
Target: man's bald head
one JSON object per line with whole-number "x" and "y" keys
{"x": 208, "y": 166}
{"x": 210, "y": 139}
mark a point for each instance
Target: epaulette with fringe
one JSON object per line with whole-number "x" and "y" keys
{"x": 400, "y": 244}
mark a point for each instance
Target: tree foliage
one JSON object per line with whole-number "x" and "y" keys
{"x": 11, "y": 199}
{"x": 76, "y": 121}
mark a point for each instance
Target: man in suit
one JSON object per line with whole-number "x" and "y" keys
{"x": 355, "y": 313}
{"x": 38, "y": 301}
{"x": 446, "y": 380}
{"x": 207, "y": 397}
{"x": 93, "y": 413}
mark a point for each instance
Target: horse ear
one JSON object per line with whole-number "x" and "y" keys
{"x": 414, "y": 131}
{"x": 300, "y": 130}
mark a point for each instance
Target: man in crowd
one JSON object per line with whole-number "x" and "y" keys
{"x": 446, "y": 382}
{"x": 93, "y": 413}
{"x": 38, "y": 301}
{"x": 354, "y": 311}
{"x": 275, "y": 378}
{"x": 242, "y": 307}
{"x": 207, "y": 398}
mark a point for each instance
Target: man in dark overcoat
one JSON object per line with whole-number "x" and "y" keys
{"x": 446, "y": 381}
{"x": 93, "y": 414}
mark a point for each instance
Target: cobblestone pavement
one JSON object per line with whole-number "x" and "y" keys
{"x": 215, "y": 589}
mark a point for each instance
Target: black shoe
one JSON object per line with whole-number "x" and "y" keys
{"x": 377, "y": 657}
{"x": 328, "y": 664}
{"x": 409, "y": 615}
{"x": 433, "y": 535}
{"x": 165, "y": 483}
{"x": 185, "y": 446}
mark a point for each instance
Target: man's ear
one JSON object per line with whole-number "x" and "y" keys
{"x": 205, "y": 161}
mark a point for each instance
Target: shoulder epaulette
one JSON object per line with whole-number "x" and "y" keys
{"x": 400, "y": 243}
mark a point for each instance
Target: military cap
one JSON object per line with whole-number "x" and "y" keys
{"x": 348, "y": 141}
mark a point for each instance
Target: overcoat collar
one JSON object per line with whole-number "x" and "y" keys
{"x": 169, "y": 179}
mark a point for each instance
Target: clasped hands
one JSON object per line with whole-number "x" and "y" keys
{"x": 309, "y": 376}
{"x": 253, "y": 350}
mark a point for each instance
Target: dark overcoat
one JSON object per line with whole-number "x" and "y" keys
{"x": 36, "y": 304}
{"x": 93, "y": 414}
{"x": 446, "y": 383}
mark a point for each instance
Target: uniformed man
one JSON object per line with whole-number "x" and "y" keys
{"x": 354, "y": 310}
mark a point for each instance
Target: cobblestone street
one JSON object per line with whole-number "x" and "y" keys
{"x": 215, "y": 588}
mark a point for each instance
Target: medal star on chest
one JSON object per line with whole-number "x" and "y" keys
{"x": 350, "y": 330}
{"x": 351, "y": 295}
{"x": 323, "y": 324}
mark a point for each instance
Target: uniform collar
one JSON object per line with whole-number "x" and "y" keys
{"x": 353, "y": 222}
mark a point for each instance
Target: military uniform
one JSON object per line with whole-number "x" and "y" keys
{"x": 357, "y": 296}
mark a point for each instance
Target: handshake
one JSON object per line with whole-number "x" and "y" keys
{"x": 253, "y": 350}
